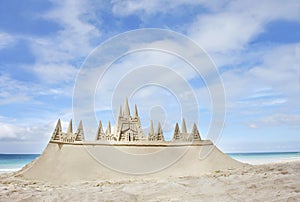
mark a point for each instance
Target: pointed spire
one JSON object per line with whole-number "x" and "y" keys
{"x": 126, "y": 108}
{"x": 70, "y": 128}
{"x": 183, "y": 126}
{"x": 195, "y": 132}
{"x": 120, "y": 112}
{"x": 151, "y": 131}
{"x": 176, "y": 131}
{"x": 58, "y": 125}
{"x": 57, "y": 131}
{"x": 160, "y": 135}
{"x": 135, "y": 113}
{"x": 79, "y": 132}
{"x": 117, "y": 122}
{"x": 100, "y": 131}
{"x": 159, "y": 127}
{"x": 176, "y": 135}
{"x": 108, "y": 129}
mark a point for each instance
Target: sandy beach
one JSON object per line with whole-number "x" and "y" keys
{"x": 268, "y": 182}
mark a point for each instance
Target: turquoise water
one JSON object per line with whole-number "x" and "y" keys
{"x": 14, "y": 162}
{"x": 265, "y": 157}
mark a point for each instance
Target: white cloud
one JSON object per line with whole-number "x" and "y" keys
{"x": 282, "y": 120}
{"x": 234, "y": 26}
{"x": 276, "y": 120}
{"x": 75, "y": 37}
{"x": 252, "y": 125}
{"x": 224, "y": 31}
{"x": 144, "y": 7}
{"x": 266, "y": 9}
{"x": 56, "y": 73}
{"x": 14, "y": 91}
{"x": 23, "y": 133}
{"x": 274, "y": 83}
{"x": 226, "y": 28}
{"x": 274, "y": 102}
{"x": 59, "y": 55}
{"x": 282, "y": 63}
{"x": 9, "y": 131}
{"x": 6, "y": 40}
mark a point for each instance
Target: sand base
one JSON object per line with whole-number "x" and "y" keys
{"x": 69, "y": 163}
{"x": 271, "y": 182}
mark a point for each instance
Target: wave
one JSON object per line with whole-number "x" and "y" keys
{"x": 9, "y": 170}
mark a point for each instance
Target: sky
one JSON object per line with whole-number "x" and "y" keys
{"x": 255, "y": 46}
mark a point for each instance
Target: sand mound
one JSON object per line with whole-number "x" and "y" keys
{"x": 65, "y": 163}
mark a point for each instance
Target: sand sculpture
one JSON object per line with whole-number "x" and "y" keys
{"x": 127, "y": 129}
{"x": 125, "y": 152}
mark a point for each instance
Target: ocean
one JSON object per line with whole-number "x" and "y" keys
{"x": 265, "y": 157}
{"x": 14, "y": 162}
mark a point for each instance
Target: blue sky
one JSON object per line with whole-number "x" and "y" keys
{"x": 255, "y": 46}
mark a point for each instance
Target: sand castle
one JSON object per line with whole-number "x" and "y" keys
{"x": 127, "y": 129}
{"x": 125, "y": 153}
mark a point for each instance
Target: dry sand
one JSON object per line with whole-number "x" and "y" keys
{"x": 270, "y": 182}
{"x": 70, "y": 173}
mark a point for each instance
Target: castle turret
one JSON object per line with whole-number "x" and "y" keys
{"x": 159, "y": 134}
{"x": 120, "y": 111}
{"x": 56, "y": 135}
{"x": 108, "y": 129}
{"x": 100, "y": 134}
{"x": 70, "y": 128}
{"x": 151, "y": 132}
{"x": 108, "y": 134}
{"x": 117, "y": 121}
{"x": 126, "y": 109}
{"x": 135, "y": 113}
{"x": 128, "y": 128}
{"x": 100, "y": 128}
{"x": 177, "y": 134}
{"x": 195, "y": 132}
{"x": 79, "y": 133}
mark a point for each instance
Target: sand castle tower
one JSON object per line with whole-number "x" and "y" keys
{"x": 100, "y": 133}
{"x": 151, "y": 135}
{"x": 156, "y": 136}
{"x": 79, "y": 135}
{"x": 159, "y": 136}
{"x": 128, "y": 128}
{"x": 183, "y": 135}
{"x": 69, "y": 136}
{"x": 57, "y": 133}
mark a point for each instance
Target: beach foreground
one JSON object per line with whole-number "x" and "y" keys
{"x": 269, "y": 182}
